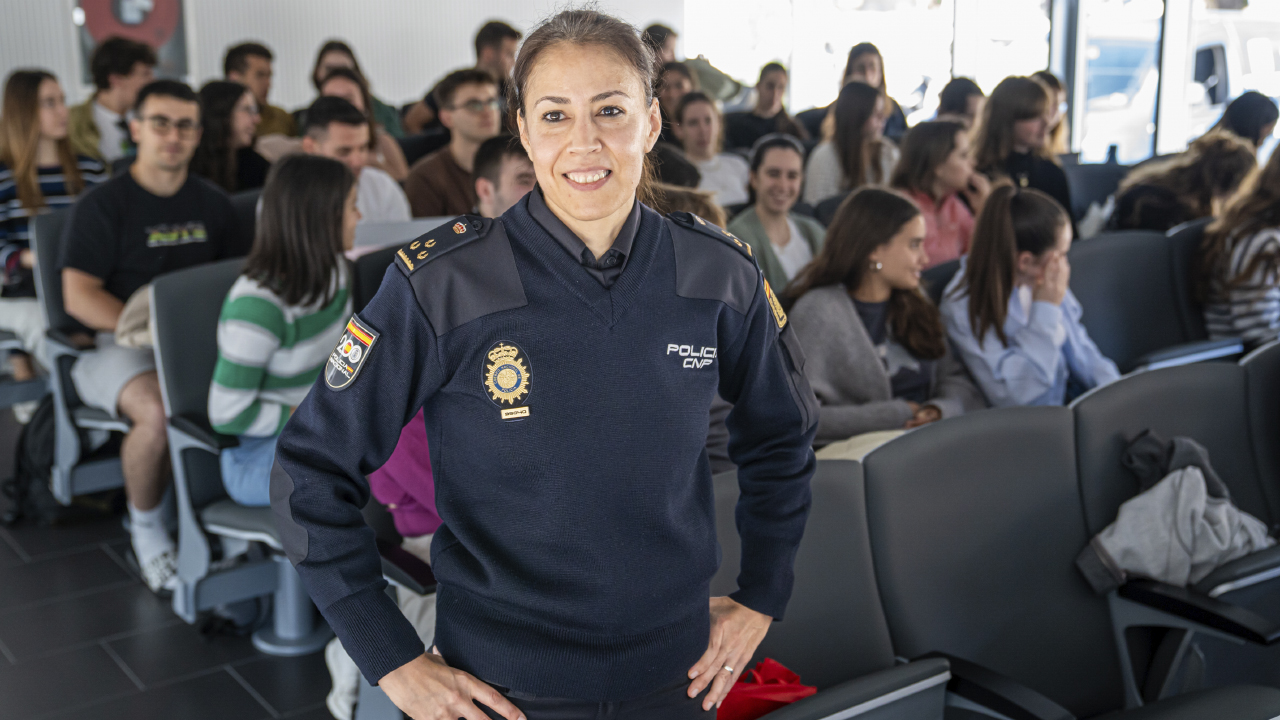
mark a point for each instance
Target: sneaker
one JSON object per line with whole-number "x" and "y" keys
{"x": 23, "y": 411}
{"x": 161, "y": 572}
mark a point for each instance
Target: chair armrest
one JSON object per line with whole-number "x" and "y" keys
{"x": 1252, "y": 569}
{"x": 994, "y": 691}
{"x": 62, "y": 343}
{"x": 200, "y": 431}
{"x": 405, "y": 569}
{"x": 863, "y": 695}
{"x": 1210, "y": 612}
{"x": 1192, "y": 352}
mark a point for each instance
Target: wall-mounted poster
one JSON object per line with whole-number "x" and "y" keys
{"x": 158, "y": 23}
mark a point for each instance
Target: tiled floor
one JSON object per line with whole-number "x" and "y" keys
{"x": 81, "y": 637}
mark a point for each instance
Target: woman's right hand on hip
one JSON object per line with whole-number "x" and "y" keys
{"x": 426, "y": 688}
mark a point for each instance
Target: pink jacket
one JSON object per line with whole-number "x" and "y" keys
{"x": 405, "y": 484}
{"x": 949, "y": 227}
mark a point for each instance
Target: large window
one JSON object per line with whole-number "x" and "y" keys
{"x": 1120, "y": 45}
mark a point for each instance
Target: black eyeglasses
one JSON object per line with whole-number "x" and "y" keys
{"x": 479, "y": 106}
{"x": 162, "y": 124}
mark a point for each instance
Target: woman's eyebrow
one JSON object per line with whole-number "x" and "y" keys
{"x": 565, "y": 101}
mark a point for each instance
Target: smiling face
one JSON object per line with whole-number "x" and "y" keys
{"x": 777, "y": 182}
{"x": 54, "y": 115}
{"x": 903, "y": 258}
{"x": 586, "y": 126}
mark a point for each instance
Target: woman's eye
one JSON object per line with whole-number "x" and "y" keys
{"x": 553, "y": 116}
{"x": 611, "y": 111}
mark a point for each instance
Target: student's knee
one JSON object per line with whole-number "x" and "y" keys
{"x": 140, "y": 401}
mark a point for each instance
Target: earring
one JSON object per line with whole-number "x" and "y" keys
{"x": 877, "y": 266}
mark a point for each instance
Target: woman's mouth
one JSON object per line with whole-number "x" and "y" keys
{"x": 588, "y": 179}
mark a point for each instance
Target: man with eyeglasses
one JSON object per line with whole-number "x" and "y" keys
{"x": 440, "y": 184}
{"x": 153, "y": 219}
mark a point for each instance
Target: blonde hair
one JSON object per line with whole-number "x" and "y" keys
{"x": 20, "y": 138}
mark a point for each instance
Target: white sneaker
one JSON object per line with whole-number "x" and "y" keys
{"x": 342, "y": 699}
{"x": 23, "y": 411}
{"x": 161, "y": 572}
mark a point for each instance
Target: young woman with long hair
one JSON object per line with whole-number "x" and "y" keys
{"x": 384, "y": 152}
{"x": 335, "y": 54}
{"x": 865, "y": 65}
{"x": 700, "y": 127}
{"x": 782, "y": 241}
{"x": 857, "y": 153}
{"x": 282, "y": 315}
{"x": 1188, "y": 186}
{"x": 1009, "y": 311}
{"x": 1012, "y": 139}
{"x": 579, "y": 312}
{"x": 1059, "y": 127}
{"x": 936, "y": 172}
{"x": 961, "y": 100}
{"x": 39, "y": 173}
{"x": 1240, "y": 262}
{"x": 225, "y": 155}
{"x": 875, "y": 349}
{"x": 674, "y": 82}
{"x": 1252, "y": 116}
{"x": 743, "y": 129}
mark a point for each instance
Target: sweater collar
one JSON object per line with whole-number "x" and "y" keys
{"x": 620, "y": 251}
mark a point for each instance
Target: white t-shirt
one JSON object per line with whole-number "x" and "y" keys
{"x": 379, "y": 198}
{"x": 726, "y": 176}
{"x": 796, "y": 254}
{"x": 111, "y": 136}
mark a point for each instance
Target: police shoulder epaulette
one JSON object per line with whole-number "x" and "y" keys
{"x": 431, "y": 245}
{"x": 693, "y": 222}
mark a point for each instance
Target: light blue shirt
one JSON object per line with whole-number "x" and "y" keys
{"x": 1047, "y": 347}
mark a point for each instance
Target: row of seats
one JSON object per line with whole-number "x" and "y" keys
{"x": 1137, "y": 288}
{"x": 954, "y": 546}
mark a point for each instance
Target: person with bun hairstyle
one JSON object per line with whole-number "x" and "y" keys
{"x": 1009, "y": 312}
{"x": 936, "y": 172}
{"x": 565, "y": 357}
{"x": 876, "y": 352}
{"x": 1188, "y": 186}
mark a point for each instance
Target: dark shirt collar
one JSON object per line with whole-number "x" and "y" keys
{"x": 610, "y": 265}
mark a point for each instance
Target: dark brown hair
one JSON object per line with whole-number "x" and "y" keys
{"x": 586, "y": 28}
{"x": 783, "y": 122}
{"x": 866, "y": 220}
{"x": 214, "y": 158}
{"x": 355, "y": 77}
{"x": 1014, "y": 99}
{"x": 1254, "y": 208}
{"x": 1012, "y": 221}
{"x": 297, "y": 242}
{"x": 857, "y": 152}
{"x": 444, "y": 90}
{"x": 492, "y": 33}
{"x": 1213, "y": 167}
{"x": 20, "y": 138}
{"x": 675, "y": 198}
{"x": 858, "y": 51}
{"x": 237, "y": 58}
{"x": 116, "y": 56}
{"x": 925, "y": 147}
{"x": 325, "y": 49}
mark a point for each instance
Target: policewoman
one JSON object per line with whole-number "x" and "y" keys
{"x": 551, "y": 349}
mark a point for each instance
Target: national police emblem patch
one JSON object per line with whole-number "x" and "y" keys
{"x": 779, "y": 316}
{"x": 346, "y": 360}
{"x": 506, "y": 379}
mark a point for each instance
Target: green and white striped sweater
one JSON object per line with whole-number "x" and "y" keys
{"x": 270, "y": 354}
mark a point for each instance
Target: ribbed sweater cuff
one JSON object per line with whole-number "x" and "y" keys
{"x": 764, "y": 600}
{"x": 374, "y": 632}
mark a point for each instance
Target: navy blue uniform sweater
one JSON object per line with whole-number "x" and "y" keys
{"x": 579, "y": 535}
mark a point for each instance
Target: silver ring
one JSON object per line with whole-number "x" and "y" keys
{"x": 726, "y": 667}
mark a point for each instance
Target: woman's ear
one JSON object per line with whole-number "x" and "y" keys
{"x": 655, "y": 125}
{"x": 1028, "y": 265}
{"x": 523, "y": 130}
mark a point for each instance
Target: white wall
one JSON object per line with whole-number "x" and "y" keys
{"x": 404, "y": 46}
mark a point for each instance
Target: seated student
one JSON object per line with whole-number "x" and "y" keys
{"x": 283, "y": 316}
{"x": 496, "y": 43}
{"x": 1059, "y": 131}
{"x": 1009, "y": 312}
{"x": 336, "y": 54}
{"x": 1251, "y": 116}
{"x": 225, "y": 154}
{"x": 781, "y": 241}
{"x": 1012, "y": 139}
{"x": 742, "y": 129}
{"x": 440, "y": 184}
{"x": 1240, "y": 265}
{"x": 39, "y": 173}
{"x": 676, "y": 81}
{"x": 936, "y": 171}
{"x": 662, "y": 40}
{"x": 99, "y": 127}
{"x": 857, "y": 153}
{"x": 699, "y": 126}
{"x": 865, "y": 65}
{"x": 961, "y": 100}
{"x": 153, "y": 219}
{"x": 385, "y": 152}
{"x": 504, "y": 174}
{"x": 1185, "y": 187}
{"x": 250, "y": 65}
{"x": 334, "y": 128}
{"x": 875, "y": 349}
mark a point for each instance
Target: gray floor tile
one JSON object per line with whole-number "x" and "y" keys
{"x": 177, "y": 651}
{"x": 61, "y": 682}
{"x": 216, "y": 696}
{"x": 54, "y": 577}
{"x": 37, "y": 630}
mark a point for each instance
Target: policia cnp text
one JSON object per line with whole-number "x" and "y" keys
{"x": 567, "y": 442}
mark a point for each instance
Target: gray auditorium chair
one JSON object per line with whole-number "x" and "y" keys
{"x": 834, "y": 634}
{"x": 245, "y": 204}
{"x": 825, "y": 211}
{"x": 975, "y": 524}
{"x": 185, "y": 306}
{"x": 370, "y": 269}
{"x": 78, "y": 467}
{"x": 1207, "y": 403}
{"x": 1125, "y": 284}
{"x": 1262, "y": 398}
{"x": 1092, "y": 183}
{"x": 13, "y": 391}
{"x": 937, "y": 278}
{"x": 1184, "y": 248}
